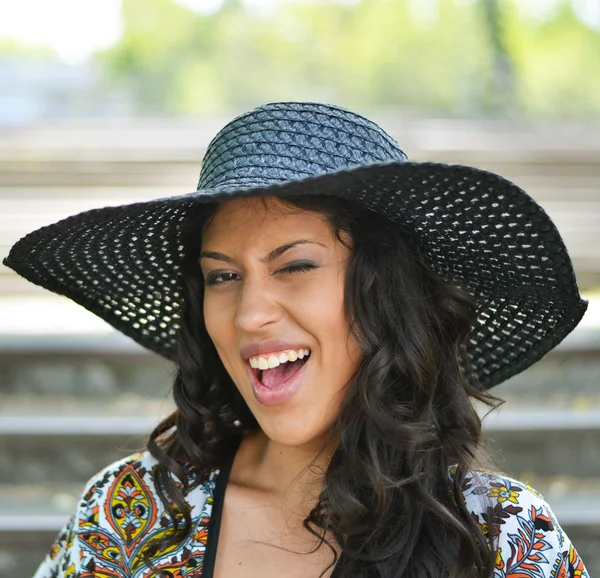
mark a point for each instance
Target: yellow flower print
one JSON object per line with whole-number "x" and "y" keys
{"x": 55, "y": 551}
{"x": 499, "y": 561}
{"x": 576, "y": 563}
{"x": 503, "y": 494}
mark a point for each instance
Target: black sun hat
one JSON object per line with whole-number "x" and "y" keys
{"x": 476, "y": 229}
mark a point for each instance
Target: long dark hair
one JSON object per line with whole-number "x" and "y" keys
{"x": 407, "y": 416}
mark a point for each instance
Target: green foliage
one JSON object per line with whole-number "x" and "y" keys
{"x": 558, "y": 62}
{"x": 443, "y": 60}
{"x": 11, "y": 48}
{"x": 162, "y": 42}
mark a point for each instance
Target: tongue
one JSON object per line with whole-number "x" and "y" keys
{"x": 275, "y": 376}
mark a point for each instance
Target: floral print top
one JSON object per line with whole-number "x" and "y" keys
{"x": 119, "y": 516}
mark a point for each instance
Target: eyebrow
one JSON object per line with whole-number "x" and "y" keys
{"x": 274, "y": 254}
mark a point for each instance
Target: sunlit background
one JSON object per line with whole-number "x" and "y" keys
{"x": 467, "y": 58}
{"x": 106, "y": 102}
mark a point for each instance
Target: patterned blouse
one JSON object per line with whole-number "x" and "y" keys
{"x": 119, "y": 515}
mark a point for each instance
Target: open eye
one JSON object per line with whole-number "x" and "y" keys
{"x": 213, "y": 279}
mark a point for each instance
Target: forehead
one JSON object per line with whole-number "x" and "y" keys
{"x": 258, "y": 219}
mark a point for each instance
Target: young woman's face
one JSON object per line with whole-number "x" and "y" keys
{"x": 249, "y": 299}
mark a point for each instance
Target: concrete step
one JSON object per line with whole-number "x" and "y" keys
{"x": 37, "y": 507}
{"x": 22, "y": 552}
{"x": 154, "y": 139}
{"x": 45, "y": 508}
{"x": 48, "y": 458}
{"x": 55, "y": 449}
{"x": 77, "y": 365}
{"x": 74, "y": 355}
{"x": 560, "y": 381}
{"x": 549, "y": 447}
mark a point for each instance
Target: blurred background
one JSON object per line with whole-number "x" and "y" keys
{"x": 106, "y": 102}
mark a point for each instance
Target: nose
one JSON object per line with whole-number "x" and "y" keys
{"x": 257, "y": 306}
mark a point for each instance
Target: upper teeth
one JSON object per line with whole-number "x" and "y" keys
{"x": 262, "y": 362}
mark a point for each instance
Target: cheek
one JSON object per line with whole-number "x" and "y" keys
{"x": 331, "y": 320}
{"x": 216, "y": 324}
{"x": 209, "y": 318}
{"x": 331, "y": 305}
{"x": 331, "y": 328}
{"x": 220, "y": 333}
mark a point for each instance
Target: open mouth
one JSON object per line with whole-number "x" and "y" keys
{"x": 276, "y": 376}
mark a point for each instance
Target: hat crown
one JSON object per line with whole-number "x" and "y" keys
{"x": 284, "y": 141}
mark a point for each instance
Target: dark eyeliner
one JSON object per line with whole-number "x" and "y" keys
{"x": 294, "y": 268}
{"x": 210, "y": 279}
{"x": 298, "y": 267}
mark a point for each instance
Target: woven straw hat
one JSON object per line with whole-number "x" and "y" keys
{"x": 476, "y": 229}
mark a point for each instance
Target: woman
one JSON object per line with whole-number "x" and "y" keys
{"x": 333, "y": 311}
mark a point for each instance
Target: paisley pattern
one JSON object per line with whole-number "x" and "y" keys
{"x": 130, "y": 507}
{"x": 120, "y": 518}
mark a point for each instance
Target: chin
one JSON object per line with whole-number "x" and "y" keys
{"x": 290, "y": 432}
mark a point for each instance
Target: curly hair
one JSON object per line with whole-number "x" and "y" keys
{"x": 406, "y": 420}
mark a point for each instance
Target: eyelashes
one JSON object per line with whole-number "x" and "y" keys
{"x": 298, "y": 268}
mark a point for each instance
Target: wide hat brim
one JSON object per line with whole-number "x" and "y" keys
{"x": 476, "y": 228}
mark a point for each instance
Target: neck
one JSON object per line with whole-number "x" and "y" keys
{"x": 280, "y": 471}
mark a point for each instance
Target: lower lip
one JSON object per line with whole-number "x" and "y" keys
{"x": 280, "y": 394}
